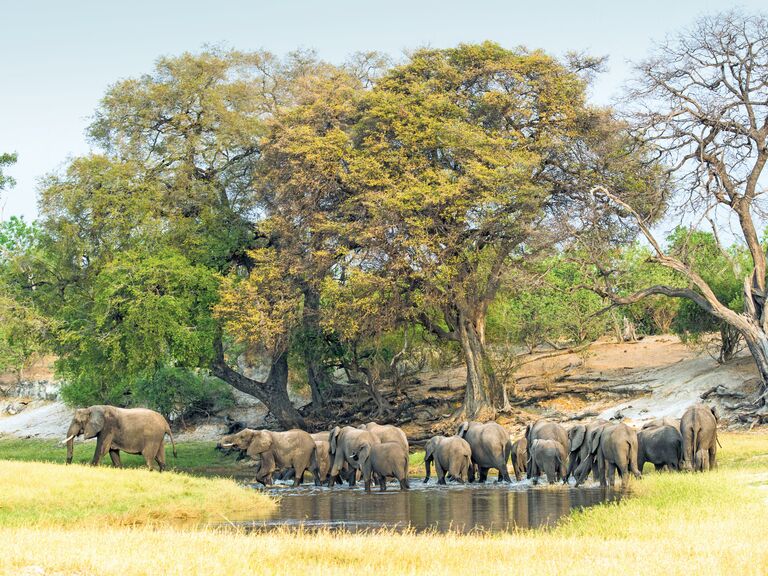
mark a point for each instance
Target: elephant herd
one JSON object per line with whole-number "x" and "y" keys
{"x": 376, "y": 453}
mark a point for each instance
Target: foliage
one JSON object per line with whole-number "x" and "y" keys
{"x": 546, "y": 306}
{"x": 6, "y": 160}
{"x": 25, "y": 332}
{"x": 147, "y": 313}
{"x": 178, "y": 393}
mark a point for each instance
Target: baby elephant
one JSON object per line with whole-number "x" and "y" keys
{"x": 451, "y": 455}
{"x": 549, "y": 457}
{"x": 386, "y": 460}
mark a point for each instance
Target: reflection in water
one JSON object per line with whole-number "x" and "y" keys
{"x": 489, "y": 507}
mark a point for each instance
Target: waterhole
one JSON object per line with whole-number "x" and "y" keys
{"x": 465, "y": 508}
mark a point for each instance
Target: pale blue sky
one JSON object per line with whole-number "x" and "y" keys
{"x": 59, "y": 57}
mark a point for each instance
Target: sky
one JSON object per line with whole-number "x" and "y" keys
{"x": 58, "y": 58}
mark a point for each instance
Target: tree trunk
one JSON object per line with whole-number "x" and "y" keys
{"x": 482, "y": 392}
{"x": 312, "y": 346}
{"x": 757, "y": 342}
{"x": 273, "y": 392}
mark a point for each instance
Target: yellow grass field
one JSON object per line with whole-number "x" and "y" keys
{"x": 714, "y": 523}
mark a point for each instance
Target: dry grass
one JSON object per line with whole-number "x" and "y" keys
{"x": 676, "y": 524}
{"x": 46, "y": 495}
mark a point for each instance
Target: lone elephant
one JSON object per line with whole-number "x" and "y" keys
{"x": 698, "y": 427}
{"x": 491, "y": 448}
{"x": 293, "y": 449}
{"x": 451, "y": 455}
{"x": 132, "y": 430}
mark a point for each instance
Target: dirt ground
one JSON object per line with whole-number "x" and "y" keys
{"x": 637, "y": 381}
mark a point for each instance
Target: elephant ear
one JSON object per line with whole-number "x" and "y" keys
{"x": 333, "y": 438}
{"x": 594, "y": 442}
{"x": 462, "y": 431}
{"x": 429, "y": 448}
{"x": 577, "y": 437}
{"x": 363, "y": 454}
{"x": 528, "y": 434}
{"x": 96, "y": 421}
{"x": 261, "y": 441}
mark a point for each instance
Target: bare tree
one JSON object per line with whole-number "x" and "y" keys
{"x": 702, "y": 102}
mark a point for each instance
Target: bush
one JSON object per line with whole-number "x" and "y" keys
{"x": 180, "y": 393}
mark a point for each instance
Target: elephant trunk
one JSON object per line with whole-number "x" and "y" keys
{"x": 73, "y": 431}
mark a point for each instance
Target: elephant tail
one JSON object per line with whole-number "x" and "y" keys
{"x": 313, "y": 461}
{"x": 508, "y": 451}
{"x": 633, "y": 457}
{"x": 170, "y": 435}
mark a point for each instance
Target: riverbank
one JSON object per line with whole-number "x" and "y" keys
{"x": 674, "y": 524}
{"x": 49, "y": 496}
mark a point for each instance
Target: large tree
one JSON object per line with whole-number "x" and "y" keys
{"x": 457, "y": 155}
{"x": 177, "y": 182}
{"x": 700, "y": 101}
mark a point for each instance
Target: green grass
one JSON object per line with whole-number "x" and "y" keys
{"x": 194, "y": 457}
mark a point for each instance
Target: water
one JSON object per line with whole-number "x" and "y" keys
{"x": 486, "y": 507}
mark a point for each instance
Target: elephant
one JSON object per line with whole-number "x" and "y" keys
{"x": 323, "y": 456}
{"x": 660, "y": 445}
{"x": 132, "y": 430}
{"x": 698, "y": 427}
{"x": 386, "y": 433}
{"x": 291, "y": 449}
{"x": 520, "y": 457}
{"x": 491, "y": 448}
{"x": 549, "y": 457}
{"x": 451, "y": 454}
{"x": 385, "y": 460}
{"x": 614, "y": 447}
{"x": 545, "y": 430}
{"x": 665, "y": 421}
{"x": 579, "y": 440}
{"x": 344, "y": 442}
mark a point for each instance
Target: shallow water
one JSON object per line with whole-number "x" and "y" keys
{"x": 486, "y": 507}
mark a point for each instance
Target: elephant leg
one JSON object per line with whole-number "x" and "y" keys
{"x": 713, "y": 456}
{"x": 504, "y": 473}
{"x": 382, "y": 483}
{"x": 149, "y": 453}
{"x": 160, "y": 456}
{"x": 440, "y": 472}
{"x": 483, "y": 474}
{"x": 102, "y": 446}
{"x": 298, "y": 476}
{"x": 610, "y": 473}
{"x": 114, "y": 455}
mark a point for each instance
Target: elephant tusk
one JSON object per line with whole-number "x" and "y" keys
{"x": 68, "y": 439}
{"x": 226, "y": 445}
